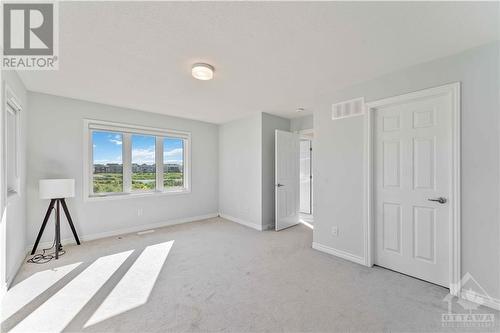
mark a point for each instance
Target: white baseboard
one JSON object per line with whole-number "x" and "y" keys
{"x": 339, "y": 253}
{"x": 241, "y": 221}
{"x": 129, "y": 230}
{"x": 475, "y": 297}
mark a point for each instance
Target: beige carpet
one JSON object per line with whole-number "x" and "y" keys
{"x": 216, "y": 275}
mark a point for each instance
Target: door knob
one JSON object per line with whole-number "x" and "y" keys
{"x": 279, "y": 185}
{"x": 441, "y": 200}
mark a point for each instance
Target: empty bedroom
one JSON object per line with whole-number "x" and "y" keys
{"x": 250, "y": 166}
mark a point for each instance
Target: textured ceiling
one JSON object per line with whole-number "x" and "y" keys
{"x": 271, "y": 56}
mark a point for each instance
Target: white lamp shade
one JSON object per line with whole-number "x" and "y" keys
{"x": 57, "y": 188}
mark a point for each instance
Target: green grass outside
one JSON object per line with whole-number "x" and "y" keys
{"x": 113, "y": 182}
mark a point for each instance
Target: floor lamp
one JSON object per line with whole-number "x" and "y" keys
{"x": 56, "y": 190}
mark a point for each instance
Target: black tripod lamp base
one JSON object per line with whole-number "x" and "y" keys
{"x": 57, "y": 203}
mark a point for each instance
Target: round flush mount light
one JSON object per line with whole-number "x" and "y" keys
{"x": 300, "y": 110}
{"x": 202, "y": 71}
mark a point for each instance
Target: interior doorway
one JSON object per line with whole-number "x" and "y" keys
{"x": 293, "y": 177}
{"x": 287, "y": 197}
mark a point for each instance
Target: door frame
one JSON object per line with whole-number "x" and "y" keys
{"x": 453, "y": 91}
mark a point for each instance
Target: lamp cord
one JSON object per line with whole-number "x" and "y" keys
{"x": 46, "y": 256}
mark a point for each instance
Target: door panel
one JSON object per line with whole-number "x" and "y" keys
{"x": 287, "y": 159}
{"x": 424, "y": 163}
{"x": 391, "y": 163}
{"x": 424, "y": 222}
{"x": 392, "y": 227}
{"x": 412, "y": 161}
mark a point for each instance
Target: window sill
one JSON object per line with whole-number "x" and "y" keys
{"x": 120, "y": 196}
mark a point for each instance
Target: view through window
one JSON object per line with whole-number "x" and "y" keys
{"x": 143, "y": 163}
{"x": 130, "y": 161}
{"x": 173, "y": 163}
{"x": 108, "y": 162}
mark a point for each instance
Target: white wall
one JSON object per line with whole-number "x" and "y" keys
{"x": 270, "y": 123}
{"x": 301, "y": 123}
{"x": 338, "y": 166}
{"x": 240, "y": 186}
{"x": 55, "y": 144}
{"x": 13, "y": 223}
{"x": 246, "y": 169}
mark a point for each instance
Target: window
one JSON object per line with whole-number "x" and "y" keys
{"x": 143, "y": 163}
{"x": 12, "y": 123}
{"x": 107, "y": 162}
{"x": 125, "y": 160}
{"x": 173, "y": 163}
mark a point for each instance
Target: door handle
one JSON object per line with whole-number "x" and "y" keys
{"x": 279, "y": 185}
{"x": 441, "y": 200}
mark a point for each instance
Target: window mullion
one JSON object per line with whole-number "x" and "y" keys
{"x": 159, "y": 163}
{"x": 127, "y": 162}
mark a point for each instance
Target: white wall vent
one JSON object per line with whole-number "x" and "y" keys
{"x": 350, "y": 108}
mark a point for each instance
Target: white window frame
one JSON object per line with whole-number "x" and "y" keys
{"x": 11, "y": 106}
{"x": 127, "y": 131}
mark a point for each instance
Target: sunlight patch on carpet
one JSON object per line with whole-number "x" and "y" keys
{"x": 134, "y": 288}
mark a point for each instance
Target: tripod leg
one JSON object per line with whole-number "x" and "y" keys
{"x": 58, "y": 231}
{"x": 47, "y": 215}
{"x": 70, "y": 221}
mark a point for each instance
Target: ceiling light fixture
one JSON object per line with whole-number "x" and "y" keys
{"x": 202, "y": 71}
{"x": 299, "y": 109}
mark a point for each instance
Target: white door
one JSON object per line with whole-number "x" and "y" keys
{"x": 413, "y": 165}
{"x": 305, "y": 176}
{"x": 287, "y": 154}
